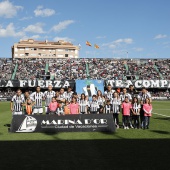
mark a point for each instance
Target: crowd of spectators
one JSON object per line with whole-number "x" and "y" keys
{"x": 6, "y": 68}
{"x": 7, "y": 93}
{"x": 29, "y": 69}
{"x": 164, "y": 68}
{"x": 85, "y": 68}
{"x": 145, "y": 69}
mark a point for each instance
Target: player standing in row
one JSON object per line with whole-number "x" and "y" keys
{"x": 109, "y": 92}
{"x": 37, "y": 98}
{"x": 69, "y": 94}
{"x": 93, "y": 105}
{"x": 132, "y": 91}
{"x": 48, "y": 95}
{"x": 62, "y": 96}
{"x": 17, "y": 103}
{"x": 124, "y": 94}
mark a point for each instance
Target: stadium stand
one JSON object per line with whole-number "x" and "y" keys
{"x": 72, "y": 69}
{"x": 84, "y": 68}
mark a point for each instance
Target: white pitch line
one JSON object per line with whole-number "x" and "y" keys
{"x": 161, "y": 115}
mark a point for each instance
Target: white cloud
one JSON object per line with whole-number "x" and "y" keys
{"x": 62, "y": 25}
{"x": 160, "y": 36}
{"x": 8, "y": 10}
{"x": 63, "y": 38}
{"x": 25, "y": 18}
{"x": 35, "y": 37}
{"x": 10, "y": 31}
{"x": 37, "y": 28}
{"x": 126, "y": 41}
{"x": 39, "y": 11}
{"x": 118, "y": 43}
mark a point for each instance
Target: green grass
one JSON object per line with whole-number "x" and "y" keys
{"x": 124, "y": 149}
{"x": 159, "y": 128}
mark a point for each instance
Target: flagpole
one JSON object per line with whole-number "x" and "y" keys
{"x": 94, "y": 53}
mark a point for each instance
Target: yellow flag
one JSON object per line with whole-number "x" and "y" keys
{"x": 96, "y": 46}
{"x": 88, "y": 43}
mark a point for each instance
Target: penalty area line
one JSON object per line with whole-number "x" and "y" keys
{"x": 160, "y": 114}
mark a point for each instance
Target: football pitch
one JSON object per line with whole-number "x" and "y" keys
{"x": 124, "y": 149}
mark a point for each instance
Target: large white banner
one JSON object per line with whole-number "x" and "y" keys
{"x": 139, "y": 83}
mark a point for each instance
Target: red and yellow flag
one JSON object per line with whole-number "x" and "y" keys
{"x": 88, "y": 43}
{"x": 96, "y": 46}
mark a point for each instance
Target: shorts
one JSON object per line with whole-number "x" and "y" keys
{"x": 17, "y": 113}
{"x": 37, "y": 110}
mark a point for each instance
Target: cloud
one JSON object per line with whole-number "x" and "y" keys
{"x": 63, "y": 38}
{"x": 160, "y": 36}
{"x": 25, "y": 18}
{"x": 126, "y": 41}
{"x": 31, "y": 37}
{"x": 10, "y": 31}
{"x": 118, "y": 43}
{"x": 40, "y": 12}
{"x": 8, "y": 10}
{"x": 62, "y": 25}
{"x": 37, "y": 28}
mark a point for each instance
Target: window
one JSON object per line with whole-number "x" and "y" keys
{"x": 60, "y": 56}
{"x": 60, "y": 50}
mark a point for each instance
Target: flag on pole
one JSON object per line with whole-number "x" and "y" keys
{"x": 96, "y": 46}
{"x": 88, "y": 43}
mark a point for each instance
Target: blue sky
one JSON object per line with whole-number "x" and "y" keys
{"x": 121, "y": 28}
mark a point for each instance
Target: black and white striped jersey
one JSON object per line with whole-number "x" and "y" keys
{"x": 83, "y": 105}
{"x": 62, "y": 96}
{"x": 37, "y": 98}
{"x": 136, "y": 107}
{"x": 100, "y": 100}
{"x": 48, "y": 97}
{"x": 94, "y": 106}
{"x": 60, "y": 111}
{"x": 122, "y": 97}
{"x": 116, "y": 105}
{"x": 108, "y": 108}
{"x": 17, "y": 102}
{"x": 109, "y": 94}
{"x": 68, "y": 95}
{"x": 143, "y": 97}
